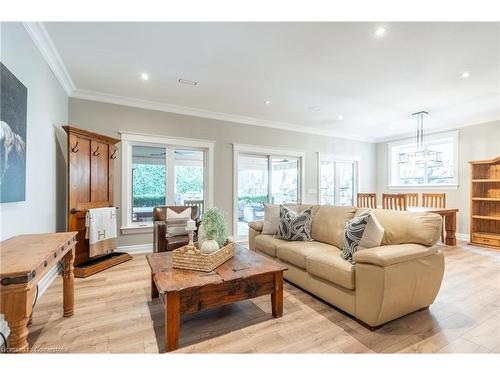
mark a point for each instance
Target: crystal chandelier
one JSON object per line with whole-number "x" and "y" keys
{"x": 421, "y": 155}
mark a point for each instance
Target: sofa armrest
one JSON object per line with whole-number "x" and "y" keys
{"x": 159, "y": 236}
{"x": 391, "y": 254}
{"x": 256, "y": 225}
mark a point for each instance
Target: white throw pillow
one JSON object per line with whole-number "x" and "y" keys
{"x": 271, "y": 218}
{"x": 373, "y": 234}
{"x": 176, "y": 222}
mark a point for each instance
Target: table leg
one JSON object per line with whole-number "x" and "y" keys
{"x": 172, "y": 320}
{"x": 450, "y": 225}
{"x": 154, "y": 290}
{"x": 68, "y": 284}
{"x": 277, "y": 295}
{"x": 17, "y": 314}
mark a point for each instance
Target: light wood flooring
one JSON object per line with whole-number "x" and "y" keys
{"x": 114, "y": 314}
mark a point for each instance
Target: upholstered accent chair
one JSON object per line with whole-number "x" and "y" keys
{"x": 160, "y": 241}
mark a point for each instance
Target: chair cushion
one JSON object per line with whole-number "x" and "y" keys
{"x": 329, "y": 265}
{"x": 267, "y": 244}
{"x": 296, "y": 252}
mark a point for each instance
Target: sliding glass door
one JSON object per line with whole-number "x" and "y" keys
{"x": 337, "y": 181}
{"x": 253, "y": 190}
{"x": 264, "y": 178}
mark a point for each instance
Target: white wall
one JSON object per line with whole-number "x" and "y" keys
{"x": 43, "y": 210}
{"x": 477, "y": 142}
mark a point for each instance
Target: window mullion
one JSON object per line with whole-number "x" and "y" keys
{"x": 336, "y": 179}
{"x": 170, "y": 176}
{"x": 269, "y": 179}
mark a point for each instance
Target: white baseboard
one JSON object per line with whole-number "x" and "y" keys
{"x": 462, "y": 236}
{"x": 45, "y": 282}
{"x": 136, "y": 249}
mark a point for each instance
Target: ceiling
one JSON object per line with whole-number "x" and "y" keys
{"x": 311, "y": 73}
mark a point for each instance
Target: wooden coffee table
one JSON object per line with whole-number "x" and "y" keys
{"x": 246, "y": 275}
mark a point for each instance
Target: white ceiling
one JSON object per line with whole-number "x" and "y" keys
{"x": 311, "y": 72}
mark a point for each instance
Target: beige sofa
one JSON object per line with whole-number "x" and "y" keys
{"x": 399, "y": 277}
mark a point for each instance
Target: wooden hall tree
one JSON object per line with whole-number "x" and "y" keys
{"x": 90, "y": 185}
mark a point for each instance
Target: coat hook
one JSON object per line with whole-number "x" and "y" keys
{"x": 113, "y": 155}
{"x": 75, "y": 147}
{"x": 96, "y": 153}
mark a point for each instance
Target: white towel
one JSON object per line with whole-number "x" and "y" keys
{"x": 101, "y": 230}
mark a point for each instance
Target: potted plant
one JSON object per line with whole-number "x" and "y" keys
{"x": 214, "y": 230}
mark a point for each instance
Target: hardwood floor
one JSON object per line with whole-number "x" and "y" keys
{"x": 114, "y": 314}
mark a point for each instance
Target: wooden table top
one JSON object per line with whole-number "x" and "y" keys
{"x": 22, "y": 254}
{"x": 428, "y": 209}
{"x": 431, "y": 209}
{"x": 245, "y": 263}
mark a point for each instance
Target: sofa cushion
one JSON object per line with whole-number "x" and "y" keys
{"x": 328, "y": 224}
{"x": 402, "y": 227}
{"x": 271, "y": 218}
{"x": 267, "y": 243}
{"x": 373, "y": 234}
{"x": 353, "y": 234}
{"x": 330, "y": 265}
{"x": 296, "y": 252}
{"x": 294, "y": 226}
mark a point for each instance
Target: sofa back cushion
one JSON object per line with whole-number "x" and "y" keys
{"x": 402, "y": 227}
{"x": 328, "y": 223}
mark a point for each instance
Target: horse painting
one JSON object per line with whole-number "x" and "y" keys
{"x": 13, "y": 109}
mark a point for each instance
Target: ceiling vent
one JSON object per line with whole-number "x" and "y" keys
{"x": 188, "y": 82}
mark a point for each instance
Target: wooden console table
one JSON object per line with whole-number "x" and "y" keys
{"x": 24, "y": 260}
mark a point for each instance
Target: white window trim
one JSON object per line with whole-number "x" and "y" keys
{"x": 432, "y": 137}
{"x": 128, "y": 140}
{"x": 263, "y": 150}
{"x": 339, "y": 158}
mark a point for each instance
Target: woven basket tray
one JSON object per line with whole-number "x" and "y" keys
{"x": 191, "y": 258}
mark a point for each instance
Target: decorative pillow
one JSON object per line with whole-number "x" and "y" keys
{"x": 176, "y": 222}
{"x": 373, "y": 235}
{"x": 353, "y": 233}
{"x": 294, "y": 226}
{"x": 271, "y": 219}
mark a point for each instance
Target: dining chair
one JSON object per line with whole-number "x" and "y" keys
{"x": 435, "y": 200}
{"x": 196, "y": 203}
{"x": 394, "y": 202}
{"x": 412, "y": 199}
{"x": 367, "y": 200}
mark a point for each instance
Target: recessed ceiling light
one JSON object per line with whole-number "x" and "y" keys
{"x": 145, "y": 76}
{"x": 465, "y": 74}
{"x": 380, "y": 32}
{"x": 188, "y": 82}
{"x": 267, "y": 102}
{"x": 340, "y": 117}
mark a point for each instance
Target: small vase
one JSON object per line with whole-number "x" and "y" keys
{"x": 209, "y": 246}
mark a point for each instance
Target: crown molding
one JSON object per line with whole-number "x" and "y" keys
{"x": 44, "y": 43}
{"x": 190, "y": 111}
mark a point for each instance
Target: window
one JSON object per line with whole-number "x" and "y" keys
{"x": 337, "y": 181}
{"x": 162, "y": 171}
{"x": 262, "y": 177}
{"x": 425, "y": 173}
